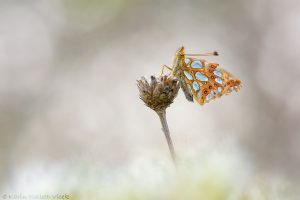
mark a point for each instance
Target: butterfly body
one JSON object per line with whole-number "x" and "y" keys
{"x": 201, "y": 80}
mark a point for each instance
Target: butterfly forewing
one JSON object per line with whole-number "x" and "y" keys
{"x": 206, "y": 81}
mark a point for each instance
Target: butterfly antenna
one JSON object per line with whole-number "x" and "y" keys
{"x": 214, "y": 53}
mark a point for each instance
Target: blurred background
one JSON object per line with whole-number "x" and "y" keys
{"x": 68, "y": 71}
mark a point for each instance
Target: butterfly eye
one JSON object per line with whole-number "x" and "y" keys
{"x": 216, "y": 85}
{"x": 212, "y": 77}
{"x": 210, "y": 87}
{"x": 205, "y": 92}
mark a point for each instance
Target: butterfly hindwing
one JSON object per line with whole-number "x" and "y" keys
{"x": 206, "y": 81}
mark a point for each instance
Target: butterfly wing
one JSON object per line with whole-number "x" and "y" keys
{"x": 207, "y": 81}
{"x": 186, "y": 90}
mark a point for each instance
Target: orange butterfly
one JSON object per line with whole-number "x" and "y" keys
{"x": 201, "y": 80}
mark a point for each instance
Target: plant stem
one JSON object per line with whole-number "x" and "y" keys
{"x": 165, "y": 129}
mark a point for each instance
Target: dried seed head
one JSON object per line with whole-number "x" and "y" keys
{"x": 159, "y": 93}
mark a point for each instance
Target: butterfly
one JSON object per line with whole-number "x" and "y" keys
{"x": 201, "y": 80}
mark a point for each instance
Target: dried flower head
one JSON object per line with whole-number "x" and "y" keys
{"x": 159, "y": 93}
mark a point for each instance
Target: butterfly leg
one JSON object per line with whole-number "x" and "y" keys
{"x": 163, "y": 69}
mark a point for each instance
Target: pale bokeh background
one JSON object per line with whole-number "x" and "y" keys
{"x": 68, "y": 70}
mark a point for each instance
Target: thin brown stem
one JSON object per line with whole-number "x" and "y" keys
{"x": 165, "y": 129}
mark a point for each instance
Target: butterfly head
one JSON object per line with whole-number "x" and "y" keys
{"x": 180, "y": 52}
